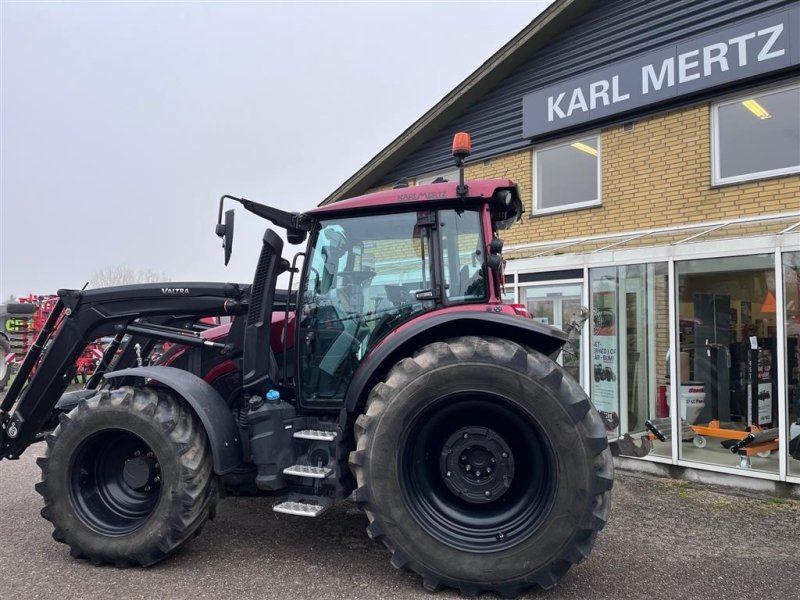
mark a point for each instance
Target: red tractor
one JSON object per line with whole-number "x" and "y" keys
{"x": 394, "y": 376}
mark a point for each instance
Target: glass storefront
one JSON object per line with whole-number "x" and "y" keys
{"x": 629, "y": 341}
{"x": 791, "y": 299}
{"x": 555, "y": 304}
{"x": 728, "y": 356}
{"x": 734, "y": 327}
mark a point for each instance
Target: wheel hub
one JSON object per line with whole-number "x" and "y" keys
{"x": 476, "y": 465}
{"x": 139, "y": 472}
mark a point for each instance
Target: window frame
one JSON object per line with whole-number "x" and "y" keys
{"x": 716, "y": 180}
{"x": 536, "y": 210}
{"x": 442, "y": 280}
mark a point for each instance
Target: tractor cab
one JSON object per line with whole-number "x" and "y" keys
{"x": 375, "y": 263}
{"x": 370, "y": 272}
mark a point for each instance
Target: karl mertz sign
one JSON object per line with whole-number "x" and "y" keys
{"x": 749, "y": 48}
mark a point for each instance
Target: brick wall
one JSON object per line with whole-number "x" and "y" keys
{"x": 657, "y": 175}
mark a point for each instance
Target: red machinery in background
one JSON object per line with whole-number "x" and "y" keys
{"x": 23, "y": 329}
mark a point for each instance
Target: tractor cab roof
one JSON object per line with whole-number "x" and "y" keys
{"x": 423, "y": 196}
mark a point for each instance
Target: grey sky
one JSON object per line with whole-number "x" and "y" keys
{"x": 123, "y": 123}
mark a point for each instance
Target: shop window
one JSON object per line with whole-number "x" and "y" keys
{"x": 727, "y": 361}
{"x": 791, "y": 284}
{"x": 757, "y": 136}
{"x": 557, "y": 304}
{"x": 567, "y": 176}
{"x": 629, "y": 346}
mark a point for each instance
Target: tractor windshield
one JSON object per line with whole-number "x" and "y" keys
{"x": 365, "y": 276}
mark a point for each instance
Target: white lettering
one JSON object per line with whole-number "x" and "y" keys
{"x": 667, "y": 73}
{"x": 684, "y": 64}
{"x": 577, "y": 101}
{"x": 553, "y": 108}
{"x": 598, "y": 91}
{"x": 741, "y": 43}
{"x": 615, "y": 95}
{"x": 719, "y": 57}
{"x": 765, "y": 53}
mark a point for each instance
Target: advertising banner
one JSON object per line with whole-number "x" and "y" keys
{"x": 605, "y": 359}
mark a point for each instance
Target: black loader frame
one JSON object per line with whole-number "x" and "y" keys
{"x": 83, "y": 316}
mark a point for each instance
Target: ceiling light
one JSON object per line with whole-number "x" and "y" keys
{"x": 584, "y": 148}
{"x": 755, "y": 108}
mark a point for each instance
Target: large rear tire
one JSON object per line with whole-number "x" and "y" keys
{"x": 482, "y": 467}
{"x": 127, "y": 477}
{"x": 5, "y": 370}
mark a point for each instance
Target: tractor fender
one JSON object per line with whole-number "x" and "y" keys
{"x": 205, "y": 401}
{"x": 440, "y": 326}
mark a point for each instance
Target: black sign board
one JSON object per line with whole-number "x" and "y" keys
{"x": 748, "y": 48}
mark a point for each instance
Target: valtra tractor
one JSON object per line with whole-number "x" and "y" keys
{"x": 394, "y": 376}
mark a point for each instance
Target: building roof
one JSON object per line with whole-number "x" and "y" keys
{"x": 553, "y": 20}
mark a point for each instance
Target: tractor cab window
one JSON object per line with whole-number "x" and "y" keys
{"x": 365, "y": 277}
{"x": 463, "y": 252}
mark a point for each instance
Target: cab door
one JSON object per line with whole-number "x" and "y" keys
{"x": 365, "y": 276}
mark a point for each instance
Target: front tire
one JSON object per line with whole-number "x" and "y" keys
{"x": 429, "y": 433}
{"x": 127, "y": 477}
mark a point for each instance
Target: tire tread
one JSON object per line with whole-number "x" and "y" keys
{"x": 188, "y": 438}
{"x": 534, "y": 365}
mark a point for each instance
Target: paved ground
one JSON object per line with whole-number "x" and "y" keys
{"x": 665, "y": 539}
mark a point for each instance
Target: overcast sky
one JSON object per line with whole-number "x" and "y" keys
{"x": 123, "y": 123}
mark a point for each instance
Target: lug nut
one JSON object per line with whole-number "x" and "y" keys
{"x": 478, "y": 473}
{"x": 137, "y": 453}
{"x": 463, "y": 457}
{"x": 449, "y": 473}
{"x": 468, "y": 467}
{"x": 149, "y": 455}
{"x": 466, "y": 435}
{"x": 487, "y": 493}
{"x": 501, "y": 536}
{"x": 147, "y": 488}
{"x": 488, "y": 469}
{"x": 157, "y": 479}
{"x": 504, "y": 455}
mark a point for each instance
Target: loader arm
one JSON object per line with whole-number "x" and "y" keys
{"x": 80, "y": 317}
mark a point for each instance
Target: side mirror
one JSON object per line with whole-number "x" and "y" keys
{"x": 495, "y": 259}
{"x": 225, "y": 231}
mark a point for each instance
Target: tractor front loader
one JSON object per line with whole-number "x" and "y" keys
{"x": 394, "y": 376}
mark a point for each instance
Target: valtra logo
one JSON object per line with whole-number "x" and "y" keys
{"x": 168, "y": 291}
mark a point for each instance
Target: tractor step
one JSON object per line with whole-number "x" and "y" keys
{"x": 308, "y": 471}
{"x": 303, "y": 506}
{"x": 315, "y": 435}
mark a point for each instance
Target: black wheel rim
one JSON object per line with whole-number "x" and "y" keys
{"x": 114, "y": 482}
{"x": 445, "y": 447}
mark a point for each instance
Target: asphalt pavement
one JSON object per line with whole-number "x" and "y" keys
{"x": 664, "y": 539}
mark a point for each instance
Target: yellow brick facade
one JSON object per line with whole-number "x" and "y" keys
{"x": 657, "y": 175}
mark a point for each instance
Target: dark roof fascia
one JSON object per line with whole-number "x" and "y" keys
{"x": 557, "y": 17}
